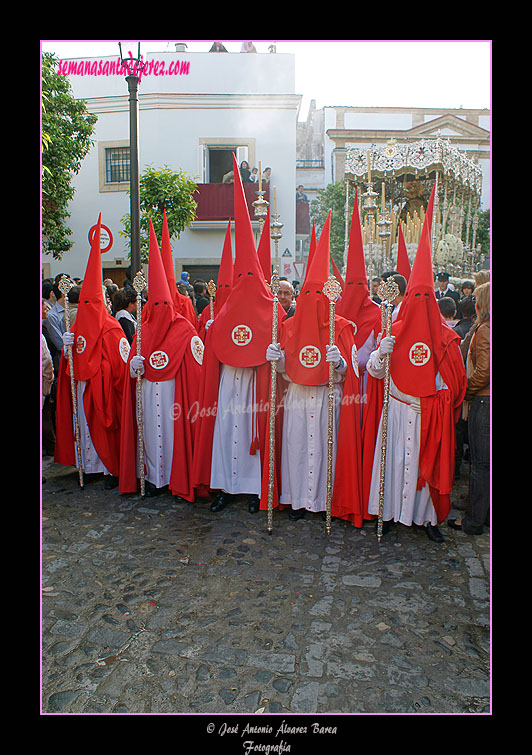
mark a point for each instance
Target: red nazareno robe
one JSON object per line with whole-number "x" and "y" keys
{"x": 347, "y": 491}
{"x": 186, "y": 371}
{"x": 102, "y": 400}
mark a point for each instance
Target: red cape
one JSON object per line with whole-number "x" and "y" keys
{"x": 187, "y": 377}
{"x": 371, "y": 415}
{"x": 439, "y": 415}
{"x": 102, "y": 401}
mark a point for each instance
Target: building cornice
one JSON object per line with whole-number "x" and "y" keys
{"x": 179, "y": 101}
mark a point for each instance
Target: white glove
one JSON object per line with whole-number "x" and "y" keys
{"x": 416, "y": 406}
{"x": 68, "y": 339}
{"x": 273, "y": 352}
{"x": 137, "y": 363}
{"x": 333, "y": 355}
{"x": 208, "y": 324}
{"x": 386, "y": 346}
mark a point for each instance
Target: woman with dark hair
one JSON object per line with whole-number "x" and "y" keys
{"x": 245, "y": 172}
{"x": 124, "y": 309}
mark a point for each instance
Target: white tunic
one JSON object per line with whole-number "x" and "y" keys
{"x": 158, "y": 412}
{"x": 363, "y": 355}
{"x": 233, "y": 468}
{"x": 304, "y": 443}
{"x": 92, "y": 464}
{"x": 402, "y": 502}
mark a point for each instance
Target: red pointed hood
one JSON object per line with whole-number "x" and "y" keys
{"x": 306, "y": 334}
{"x": 225, "y": 272}
{"x": 337, "y": 274}
{"x": 92, "y": 317}
{"x": 159, "y": 322}
{"x": 166, "y": 256}
{"x": 241, "y": 331}
{"x": 403, "y": 263}
{"x": 421, "y": 333}
{"x": 264, "y": 250}
{"x": 312, "y": 248}
{"x": 356, "y": 304}
{"x": 181, "y": 303}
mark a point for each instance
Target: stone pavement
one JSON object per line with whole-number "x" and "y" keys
{"x": 161, "y": 606}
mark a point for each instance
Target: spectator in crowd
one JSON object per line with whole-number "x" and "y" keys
{"x": 286, "y": 297}
{"x": 476, "y": 410}
{"x": 445, "y": 289}
{"x": 48, "y": 295}
{"x": 201, "y": 295}
{"x": 55, "y": 321}
{"x": 245, "y": 172}
{"x": 248, "y": 47}
{"x": 300, "y": 194}
{"x": 448, "y": 309}
{"x": 217, "y": 47}
{"x": 125, "y": 309}
{"x": 467, "y": 287}
{"x": 463, "y": 325}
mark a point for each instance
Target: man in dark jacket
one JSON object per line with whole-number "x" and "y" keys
{"x": 444, "y": 290}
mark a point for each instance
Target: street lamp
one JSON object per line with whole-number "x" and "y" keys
{"x": 134, "y": 68}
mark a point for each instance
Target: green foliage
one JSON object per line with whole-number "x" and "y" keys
{"x": 483, "y": 231}
{"x": 66, "y": 130}
{"x": 162, "y": 189}
{"x": 332, "y": 197}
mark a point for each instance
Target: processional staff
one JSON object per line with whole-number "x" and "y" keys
{"x": 388, "y": 292}
{"x": 211, "y": 288}
{"x": 332, "y": 291}
{"x": 65, "y": 284}
{"x": 139, "y": 284}
{"x": 274, "y": 286}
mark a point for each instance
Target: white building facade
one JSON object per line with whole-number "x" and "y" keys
{"x": 194, "y": 110}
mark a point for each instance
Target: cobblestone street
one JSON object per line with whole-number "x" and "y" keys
{"x": 161, "y": 606}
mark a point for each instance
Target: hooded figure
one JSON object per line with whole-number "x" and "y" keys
{"x": 170, "y": 366}
{"x": 100, "y": 351}
{"x": 264, "y": 249}
{"x": 303, "y": 357}
{"x": 403, "y": 263}
{"x": 223, "y": 285}
{"x": 234, "y": 392}
{"x": 427, "y": 386}
{"x": 356, "y": 304}
{"x": 182, "y": 303}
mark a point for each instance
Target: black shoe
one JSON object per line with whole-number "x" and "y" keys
{"x": 452, "y": 523}
{"x": 220, "y": 502}
{"x": 472, "y": 530}
{"x": 295, "y": 514}
{"x": 110, "y": 482}
{"x": 150, "y": 490}
{"x": 433, "y": 533}
{"x": 254, "y": 504}
{"x": 89, "y": 477}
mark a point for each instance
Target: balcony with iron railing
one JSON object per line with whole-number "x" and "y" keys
{"x": 216, "y": 201}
